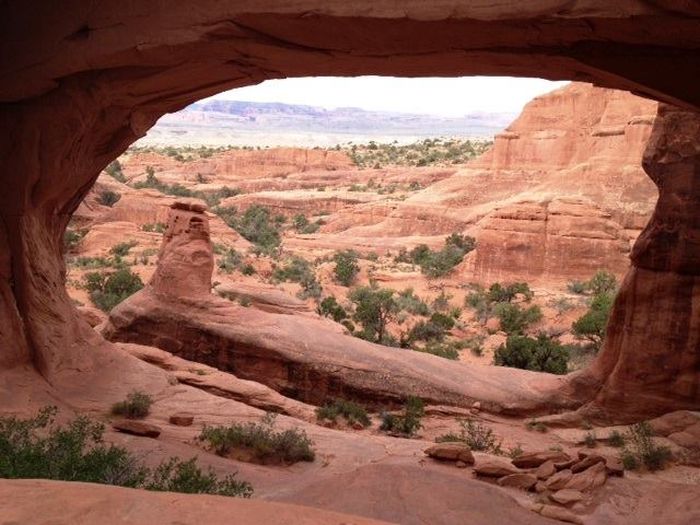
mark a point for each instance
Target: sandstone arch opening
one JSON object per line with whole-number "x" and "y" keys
{"x": 76, "y": 126}
{"x": 86, "y": 81}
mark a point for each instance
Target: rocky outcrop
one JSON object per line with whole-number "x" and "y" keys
{"x": 300, "y": 357}
{"x": 650, "y": 363}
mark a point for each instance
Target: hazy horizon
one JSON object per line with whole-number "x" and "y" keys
{"x": 446, "y": 97}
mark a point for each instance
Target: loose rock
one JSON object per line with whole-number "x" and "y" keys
{"x": 559, "y": 480}
{"x": 137, "y": 428}
{"x": 181, "y": 420}
{"x": 545, "y": 470}
{"x": 535, "y": 459}
{"x": 566, "y": 496}
{"x": 451, "y": 452}
{"x": 520, "y": 481}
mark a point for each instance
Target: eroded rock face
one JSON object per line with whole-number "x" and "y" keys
{"x": 650, "y": 363}
{"x": 186, "y": 259}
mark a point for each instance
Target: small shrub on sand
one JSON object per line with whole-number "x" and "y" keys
{"x": 136, "y": 406}
{"x": 348, "y": 410}
{"x": 259, "y": 442}
{"x": 477, "y": 436}
{"x": 406, "y": 424}
{"x": 642, "y": 450}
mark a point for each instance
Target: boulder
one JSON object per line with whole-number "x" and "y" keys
{"x": 181, "y": 420}
{"x": 546, "y": 470}
{"x": 587, "y": 462}
{"x": 559, "y": 480}
{"x": 494, "y": 467}
{"x": 451, "y": 451}
{"x": 535, "y": 459}
{"x": 685, "y": 439}
{"x": 566, "y": 496}
{"x": 588, "y": 479}
{"x": 519, "y": 481}
{"x": 136, "y": 428}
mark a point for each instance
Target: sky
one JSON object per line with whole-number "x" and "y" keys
{"x": 435, "y": 96}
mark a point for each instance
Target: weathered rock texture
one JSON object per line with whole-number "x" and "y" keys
{"x": 84, "y": 81}
{"x": 302, "y": 357}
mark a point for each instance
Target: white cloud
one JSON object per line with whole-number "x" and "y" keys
{"x": 437, "y": 96}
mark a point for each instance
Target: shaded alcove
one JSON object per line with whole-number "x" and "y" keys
{"x": 86, "y": 83}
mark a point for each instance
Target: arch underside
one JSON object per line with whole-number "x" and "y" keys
{"x": 83, "y": 82}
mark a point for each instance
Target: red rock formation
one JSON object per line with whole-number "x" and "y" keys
{"x": 86, "y": 80}
{"x": 650, "y": 363}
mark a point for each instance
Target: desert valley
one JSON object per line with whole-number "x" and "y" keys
{"x": 334, "y": 294}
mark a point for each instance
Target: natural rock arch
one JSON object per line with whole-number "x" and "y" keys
{"x": 84, "y": 82}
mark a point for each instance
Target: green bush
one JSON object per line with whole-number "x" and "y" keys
{"x": 374, "y": 309}
{"x": 499, "y": 293}
{"x": 411, "y": 303}
{"x": 514, "y": 319}
{"x": 477, "y": 436}
{"x": 256, "y": 225}
{"x": 114, "y": 170}
{"x": 122, "y": 249}
{"x": 591, "y": 326}
{"x": 299, "y": 270}
{"x": 230, "y": 261}
{"x": 346, "y": 267}
{"x": 72, "y": 238}
{"x": 440, "y": 263}
{"x": 136, "y": 406}
{"x": 109, "y": 198}
{"x": 603, "y": 282}
{"x": 407, "y": 423}
{"x": 329, "y": 307}
{"x": 642, "y": 450}
{"x": 302, "y": 225}
{"x": 348, "y": 410}
{"x": 108, "y": 290}
{"x": 36, "y": 448}
{"x": 542, "y": 354}
{"x": 261, "y": 440}
{"x": 616, "y": 439}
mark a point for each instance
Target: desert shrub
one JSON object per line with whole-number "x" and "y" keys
{"x": 108, "y": 290}
{"x": 122, "y": 249}
{"x": 348, "y": 410}
{"x": 114, "y": 170}
{"x": 186, "y": 477}
{"x": 346, "y": 267}
{"x": 411, "y": 303}
{"x": 137, "y": 405}
{"x": 591, "y": 326}
{"x": 35, "y": 448}
{"x": 108, "y": 198}
{"x": 260, "y": 439}
{"x": 256, "y": 225}
{"x": 248, "y": 269}
{"x": 329, "y": 307}
{"x": 230, "y": 261}
{"x": 616, "y": 439}
{"x": 92, "y": 262}
{"x": 408, "y": 422}
{"x": 449, "y": 350}
{"x": 542, "y": 354}
{"x": 72, "y": 238}
{"x": 477, "y": 436}
{"x": 514, "y": 319}
{"x": 590, "y": 439}
{"x": 439, "y": 263}
{"x": 642, "y": 450}
{"x": 441, "y": 303}
{"x": 157, "y": 227}
{"x": 499, "y": 293}
{"x": 299, "y": 270}
{"x": 603, "y": 282}
{"x": 215, "y": 197}
{"x": 374, "y": 309}
{"x": 302, "y": 225}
